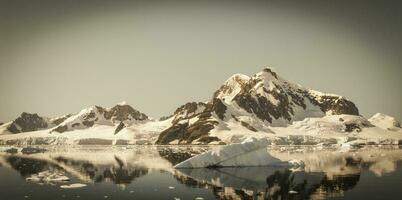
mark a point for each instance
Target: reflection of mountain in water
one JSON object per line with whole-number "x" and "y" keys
{"x": 119, "y": 174}
{"x": 176, "y": 155}
{"x": 279, "y": 184}
{"x": 27, "y": 166}
{"x": 326, "y": 173}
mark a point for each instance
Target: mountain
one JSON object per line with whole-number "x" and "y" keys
{"x": 254, "y": 103}
{"x": 28, "y": 122}
{"x": 121, "y": 114}
{"x": 96, "y": 125}
{"x": 264, "y": 105}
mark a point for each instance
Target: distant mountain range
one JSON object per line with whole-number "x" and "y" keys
{"x": 264, "y": 105}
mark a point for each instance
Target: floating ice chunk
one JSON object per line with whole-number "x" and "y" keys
{"x": 73, "y": 186}
{"x": 47, "y": 177}
{"x": 251, "y": 152}
{"x": 171, "y": 187}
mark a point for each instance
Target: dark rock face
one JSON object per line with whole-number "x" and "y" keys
{"x": 61, "y": 129}
{"x": 186, "y": 133}
{"x": 33, "y": 122}
{"x": 124, "y": 112}
{"x": 165, "y": 118}
{"x": 119, "y": 128}
{"x": 254, "y": 102}
{"x": 60, "y": 120}
{"x": 352, "y": 127}
{"x": 175, "y": 132}
{"x": 219, "y": 108}
{"x": 27, "y": 122}
{"x": 397, "y": 124}
{"x": 188, "y": 111}
{"x": 338, "y": 105}
{"x": 248, "y": 126}
{"x": 357, "y": 126}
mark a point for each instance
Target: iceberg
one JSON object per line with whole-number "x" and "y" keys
{"x": 250, "y": 153}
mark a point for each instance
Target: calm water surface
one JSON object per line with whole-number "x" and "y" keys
{"x": 146, "y": 172}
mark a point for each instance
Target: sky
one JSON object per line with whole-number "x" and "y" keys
{"x": 60, "y": 56}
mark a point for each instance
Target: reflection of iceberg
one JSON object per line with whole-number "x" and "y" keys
{"x": 266, "y": 182}
{"x": 249, "y": 178}
{"x": 327, "y": 173}
{"x": 252, "y": 152}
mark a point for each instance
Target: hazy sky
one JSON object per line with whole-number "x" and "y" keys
{"x": 57, "y": 57}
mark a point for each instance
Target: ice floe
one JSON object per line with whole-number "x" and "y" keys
{"x": 48, "y": 177}
{"x": 73, "y": 186}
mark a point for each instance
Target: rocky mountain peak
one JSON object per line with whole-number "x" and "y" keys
{"x": 88, "y": 117}
{"x": 122, "y": 112}
{"x": 265, "y": 99}
{"x": 268, "y": 73}
{"x": 188, "y": 110}
{"x": 27, "y": 122}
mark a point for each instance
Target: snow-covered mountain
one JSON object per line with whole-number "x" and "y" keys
{"x": 96, "y": 125}
{"x": 28, "y": 122}
{"x": 262, "y": 106}
{"x": 251, "y": 104}
{"x": 121, "y": 114}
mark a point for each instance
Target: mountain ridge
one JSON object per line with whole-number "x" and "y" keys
{"x": 264, "y": 105}
{"x": 256, "y": 102}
